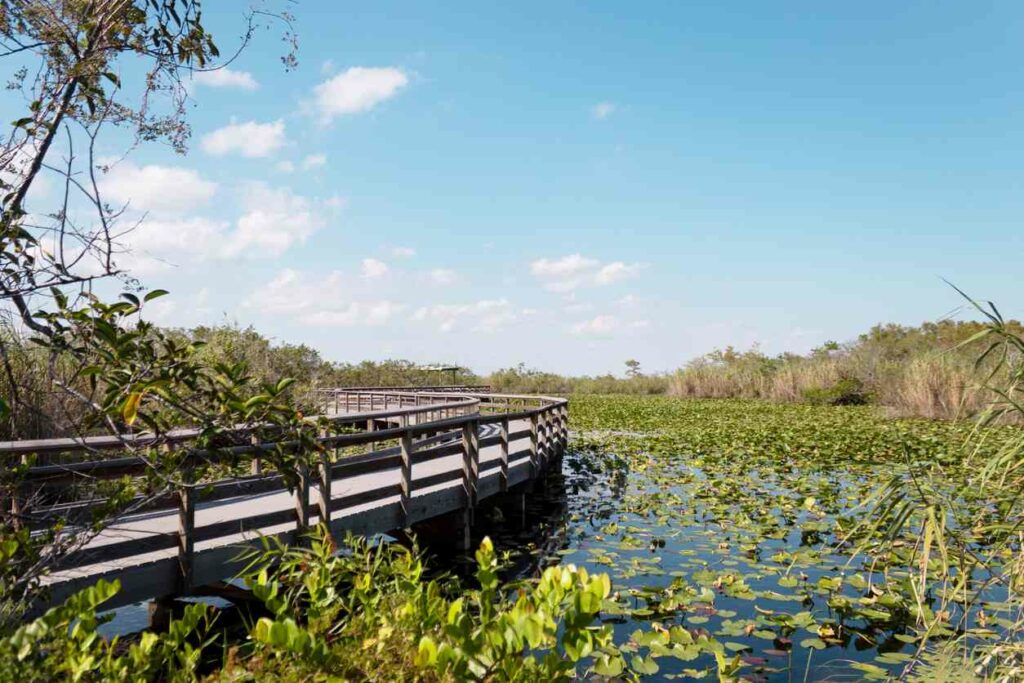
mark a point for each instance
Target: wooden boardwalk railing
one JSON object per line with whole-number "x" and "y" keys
{"x": 452, "y": 450}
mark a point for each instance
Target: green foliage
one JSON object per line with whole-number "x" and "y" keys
{"x": 365, "y": 613}
{"x": 396, "y": 373}
{"x": 847, "y": 391}
{"x": 65, "y": 644}
{"x": 127, "y": 375}
{"x": 543, "y": 635}
{"x": 266, "y": 362}
{"x": 523, "y": 380}
{"x": 368, "y": 612}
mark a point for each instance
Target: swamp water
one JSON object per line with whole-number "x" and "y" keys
{"x": 740, "y": 550}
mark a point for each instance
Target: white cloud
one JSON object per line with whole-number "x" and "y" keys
{"x": 226, "y": 78}
{"x": 156, "y": 188}
{"x": 567, "y": 266}
{"x": 357, "y": 90}
{"x": 285, "y": 166}
{"x": 314, "y": 161}
{"x": 156, "y": 245}
{"x": 270, "y": 221}
{"x": 617, "y": 271}
{"x": 250, "y": 139}
{"x": 273, "y": 220}
{"x": 598, "y": 326}
{"x": 443, "y": 276}
{"x": 402, "y": 252}
{"x": 574, "y": 271}
{"x": 290, "y": 291}
{"x": 602, "y": 110}
{"x": 355, "y": 313}
{"x": 373, "y": 269}
{"x": 327, "y": 67}
{"x": 489, "y": 315}
{"x": 606, "y": 325}
{"x": 303, "y": 296}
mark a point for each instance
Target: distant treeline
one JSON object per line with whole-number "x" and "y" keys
{"x": 927, "y": 370}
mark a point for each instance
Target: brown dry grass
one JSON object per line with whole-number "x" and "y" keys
{"x": 940, "y": 385}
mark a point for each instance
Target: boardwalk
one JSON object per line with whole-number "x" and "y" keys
{"x": 452, "y": 449}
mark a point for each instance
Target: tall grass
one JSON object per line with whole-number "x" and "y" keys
{"x": 968, "y": 514}
{"x": 927, "y": 371}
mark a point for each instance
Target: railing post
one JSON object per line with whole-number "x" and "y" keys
{"x": 406, "y": 442}
{"x": 186, "y": 526}
{"x": 324, "y": 486}
{"x": 503, "y": 441}
{"x": 565, "y": 426}
{"x": 301, "y": 499}
{"x": 255, "y": 466}
{"x": 17, "y": 492}
{"x": 470, "y": 462}
{"x": 545, "y": 438}
{"x": 533, "y": 445}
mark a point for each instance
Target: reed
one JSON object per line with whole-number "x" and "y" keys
{"x": 927, "y": 372}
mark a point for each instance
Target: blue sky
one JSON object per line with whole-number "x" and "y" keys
{"x": 573, "y": 184}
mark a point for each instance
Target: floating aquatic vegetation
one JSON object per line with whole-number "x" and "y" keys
{"x": 736, "y": 539}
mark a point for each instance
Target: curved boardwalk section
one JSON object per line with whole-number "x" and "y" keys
{"x": 430, "y": 453}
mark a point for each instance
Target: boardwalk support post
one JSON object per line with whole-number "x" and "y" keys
{"x": 186, "y": 528}
{"x": 255, "y": 467}
{"x": 503, "y": 443}
{"x": 406, "y": 443}
{"x": 565, "y": 425}
{"x": 324, "y": 487}
{"x": 547, "y": 446}
{"x": 470, "y": 464}
{"x": 15, "y": 503}
{"x": 301, "y": 500}
{"x": 533, "y": 445}
{"x": 370, "y": 427}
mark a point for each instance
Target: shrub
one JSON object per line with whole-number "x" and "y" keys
{"x": 365, "y": 613}
{"x": 848, "y": 391}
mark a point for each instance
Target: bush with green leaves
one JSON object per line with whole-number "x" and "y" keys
{"x": 65, "y": 644}
{"x": 364, "y": 612}
{"x": 367, "y": 613}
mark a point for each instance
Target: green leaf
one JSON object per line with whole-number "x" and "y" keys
{"x": 426, "y": 653}
{"x": 874, "y": 673}
{"x": 130, "y": 411}
{"x": 609, "y": 665}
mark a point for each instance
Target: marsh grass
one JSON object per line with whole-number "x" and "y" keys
{"x": 931, "y": 383}
{"x": 970, "y": 537}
